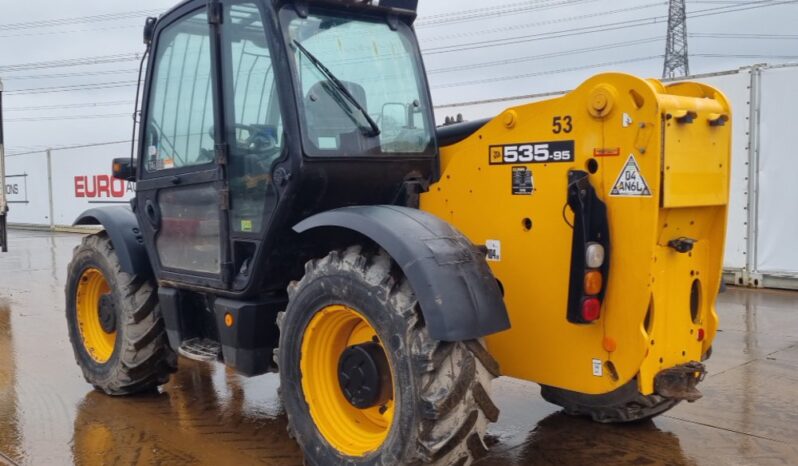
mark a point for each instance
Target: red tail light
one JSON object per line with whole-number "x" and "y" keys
{"x": 591, "y": 309}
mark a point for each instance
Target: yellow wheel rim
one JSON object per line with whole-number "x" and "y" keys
{"x": 97, "y": 342}
{"x": 352, "y": 431}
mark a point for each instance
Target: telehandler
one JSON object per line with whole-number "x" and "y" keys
{"x": 298, "y": 211}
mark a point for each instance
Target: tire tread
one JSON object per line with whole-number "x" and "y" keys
{"x": 145, "y": 359}
{"x": 454, "y": 403}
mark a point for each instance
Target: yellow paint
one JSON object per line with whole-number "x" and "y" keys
{"x": 688, "y": 200}
{"x": 351, "y": 431}
{"x": 98, "y": 343}
{"x": 509, "y": 118}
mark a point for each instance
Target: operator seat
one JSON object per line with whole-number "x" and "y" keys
{"x": 329, "y": 126}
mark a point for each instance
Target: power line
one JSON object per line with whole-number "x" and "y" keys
{"x": 70, "y": 75}
{"x": 464, "y": 67}
{"x": 69, "y": 106}
{"x": 70, "y": 31}
{"x": 543, "y": 56}
{"x": 73, "y": 87}
{"x": 76, "y": 20}
{"x": 443, "y": 49}
{"x": 69, "y": 146}
{"x": 743, "y": 55}
{"x": 526, "y": 97}
{"x": 548, "y": 72}
{"x": 493, "y": 12}
{"x": 80, "y": 61}
{"x": 528, "y": 26}
{"x": 67, "y": 117}
{"x": 482, "y": 10}
{"x": 720, "y": 2}
{"x": 543, "y": 36}
{"x": 595, "y": 28}
{"x": 731, "y": 9}
{"x": 720, "y": 35}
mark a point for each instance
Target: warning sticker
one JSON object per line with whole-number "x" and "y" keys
{"x": 626, "y": 120}
{"x": 630, "y": 181}
{"x": 494, "y": 248}
{"x": 597, "y": 369}
{"x": 523, "y": 183}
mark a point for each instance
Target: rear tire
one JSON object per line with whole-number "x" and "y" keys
{"x": 134, "y": 357}
{"x": 441, "y": 391}
{"x": 623, "y": 405}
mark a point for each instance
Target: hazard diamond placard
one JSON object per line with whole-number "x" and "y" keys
{"x": 630, "y": 181}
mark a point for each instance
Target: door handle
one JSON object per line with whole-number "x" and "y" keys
{"x": 152, "y": 214}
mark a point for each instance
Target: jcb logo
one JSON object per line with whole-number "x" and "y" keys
{"x": 496, "y": 154}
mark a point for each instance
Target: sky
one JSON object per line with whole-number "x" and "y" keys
{"x": 473, "y": 49}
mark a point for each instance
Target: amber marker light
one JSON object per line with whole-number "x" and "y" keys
{"x": 593, "y": 282}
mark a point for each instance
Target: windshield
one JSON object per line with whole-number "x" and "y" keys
{"x": 360, "y": 86}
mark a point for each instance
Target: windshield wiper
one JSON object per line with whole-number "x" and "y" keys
{"x": 341, "y": 88}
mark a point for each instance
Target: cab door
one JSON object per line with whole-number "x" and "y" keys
{"x": 182, "y": 201}
{"x": 253, "y": 130}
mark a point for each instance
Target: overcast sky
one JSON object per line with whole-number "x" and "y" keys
{"x": 471, "y": 52}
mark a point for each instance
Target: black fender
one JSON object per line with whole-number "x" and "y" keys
{"x": 122, "y": 227}
{"x": 458, "y": 294}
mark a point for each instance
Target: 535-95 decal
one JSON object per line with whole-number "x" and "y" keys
{"x": 532, "y": 152}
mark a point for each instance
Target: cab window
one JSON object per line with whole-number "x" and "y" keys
{"x": 179, "y": 124}
{"x": 360, "y": 84}
{"x": 254, "y": 124}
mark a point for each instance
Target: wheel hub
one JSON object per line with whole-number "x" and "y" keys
{"x": 324, "y": 355}
{"x": 364, "y": 375}
{"x": 106, "y": 311}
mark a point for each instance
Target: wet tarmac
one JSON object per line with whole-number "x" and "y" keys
{"x": 209, "y": 415}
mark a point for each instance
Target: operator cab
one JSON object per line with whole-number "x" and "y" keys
{"x": 257, "y": 114}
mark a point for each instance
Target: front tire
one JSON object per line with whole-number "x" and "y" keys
{"x": 114, "y": 322}
{"x": 438, "y": 405}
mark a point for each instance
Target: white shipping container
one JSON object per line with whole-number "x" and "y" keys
{"x": 84, "y": 181}
{"x": 26, "y": 185}
{"x": 776, "y": 169}
{"x": 736, "y": 86}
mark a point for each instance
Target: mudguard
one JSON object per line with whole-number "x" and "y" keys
{"x": 458, "y": 294}
{"x": 122, "y": 227}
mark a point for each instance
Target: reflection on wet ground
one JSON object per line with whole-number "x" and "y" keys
{"x": 209, "y": 415}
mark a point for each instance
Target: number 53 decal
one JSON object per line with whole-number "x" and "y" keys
{"x": 532, "y": 152}
{"x": 562, "y": 124}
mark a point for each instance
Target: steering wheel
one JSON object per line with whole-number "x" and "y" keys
{"x": 258, "y": 139}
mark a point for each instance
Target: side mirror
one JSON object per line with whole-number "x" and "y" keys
{"x": 149, "y": 29}
{"x": 394, "y": 116}
{"x": 124, "y": 169}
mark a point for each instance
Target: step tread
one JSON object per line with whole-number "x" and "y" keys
{"x": 200, "y": 349}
